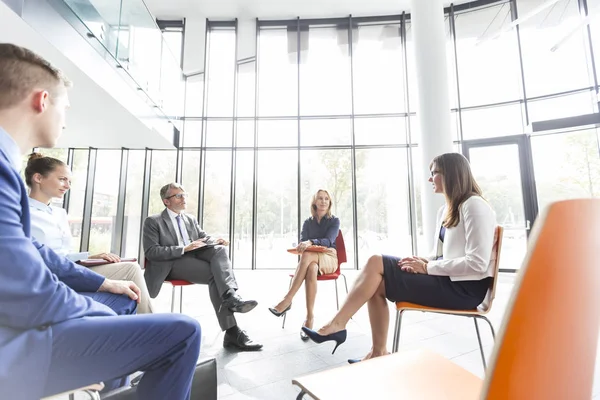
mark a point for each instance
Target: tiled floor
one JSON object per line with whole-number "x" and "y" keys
{"x": 267, "y": 374}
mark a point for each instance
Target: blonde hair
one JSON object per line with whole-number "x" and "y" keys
{"x": 313, "y": 203}
{"x": 21, "y": 71}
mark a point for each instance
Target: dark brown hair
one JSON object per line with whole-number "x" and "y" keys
{"x": 21, "y": 71}
{"x": 459, "y": 183}
{"x": 39, "y": 164}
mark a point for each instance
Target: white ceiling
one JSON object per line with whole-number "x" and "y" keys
{"x": 277, "y": 9}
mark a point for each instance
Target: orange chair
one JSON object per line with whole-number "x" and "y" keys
{"x": 478, "y": 313}
{"x": 547, "y": 343}
{"x": 341, "y": 256}
{"x": 175, "y": 283}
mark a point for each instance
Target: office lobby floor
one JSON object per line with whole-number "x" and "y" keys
{"x": 267, "y": 374}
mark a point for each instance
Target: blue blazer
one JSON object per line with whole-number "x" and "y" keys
{"x": 37, "y": 291}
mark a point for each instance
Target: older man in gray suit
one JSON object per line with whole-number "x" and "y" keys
{"x": 177, "y": 248}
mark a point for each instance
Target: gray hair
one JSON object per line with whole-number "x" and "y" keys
{"x": 165, "y": 189}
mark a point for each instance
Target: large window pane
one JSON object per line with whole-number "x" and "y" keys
{"x": 277, "y": 204}
{"x": 221, "y": 70}
{"x": 104, "y": 207}
{"x": 549, "y": 71}
{"x": 277, "y": 133}
{"x": 382, "y": 203}
{"x": 77, "y": 196}
{"x": 190, "y": 179}
{"x": 162, "y": 172}
{"x": 330, "y": 170}
{"x": 389, "y": 130}
{"x": 561, "y": 107}
{"x": 194, "y": 95}
{"x": 325, "y": 72}
{"x": 491, "y": 122}
{"x": 277, "y": 73}
{"x": 217, "y": 192}
{"x": 219, "y": 133}
{"x": 489, "y": 72}
{"x": 246, "y": 93}
{"x": 244, "y": 186}
{"x": 378, "y": 70}
{"x": 322, "y": 132}
{"x": 133, "y": 203}
{"x": 566, "y": 166}
{"x": 192, "y": 133}
{"x": 245, "y": 133}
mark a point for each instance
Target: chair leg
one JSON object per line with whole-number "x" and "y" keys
{"x": 396, "y": 343}
{"x": 300, "y": 395}
{"x": 173, "y": 300}
{"x": 490, "y": 325}
{"x": 345, "y": 283}
{"x": 181, "y": 300}
{"x": 337, "y": 296}
{"x": 480, "y": 344}
{"x": 285, "y": 315}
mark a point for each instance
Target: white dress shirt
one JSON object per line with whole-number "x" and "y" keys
{"x": 180, "y": 240}
{"x": 50, "y": 226}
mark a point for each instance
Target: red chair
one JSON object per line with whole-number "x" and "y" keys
{"x": 341, "y": 256}
{"x": 176, "y": 283}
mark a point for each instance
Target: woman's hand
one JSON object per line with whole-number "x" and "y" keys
{"x": 415, "y": 265}
{"x": 223, "y": 242}
{"x": 112, "y": 258}
{"x": 303, "y": 246}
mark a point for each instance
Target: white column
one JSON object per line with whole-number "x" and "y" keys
{"x": 433, "y": 112}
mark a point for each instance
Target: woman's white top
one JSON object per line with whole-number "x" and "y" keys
{"x": 467, "y": 248}
{"x": 50, "y": 226}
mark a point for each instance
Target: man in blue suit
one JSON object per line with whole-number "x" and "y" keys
{"x": 53, "y": 339}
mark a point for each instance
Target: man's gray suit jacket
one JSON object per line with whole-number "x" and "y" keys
{"x": 162, "y": 248}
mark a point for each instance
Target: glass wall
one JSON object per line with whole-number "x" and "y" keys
{"x": 332, "y": 104}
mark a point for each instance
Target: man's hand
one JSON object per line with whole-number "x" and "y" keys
{"x": 223, "y": 242}
{"x": 196, "y": 244}
{"x": 415, "y": 265}
{"x": 121, "y": 287}
{"x": 112, "y": 258}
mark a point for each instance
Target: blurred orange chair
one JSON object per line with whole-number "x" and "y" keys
{"x": 341, "y": 257}
{"x": 547, "y": 343}
{"x": 478, "y": 313}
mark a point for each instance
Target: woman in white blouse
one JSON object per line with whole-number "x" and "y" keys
{"x": 50, "y": 178}
{"x": 455, "y": 275}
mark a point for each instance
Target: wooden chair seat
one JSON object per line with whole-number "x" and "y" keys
{"x": 416, "y": 374}
{"x": 406, "y": 306}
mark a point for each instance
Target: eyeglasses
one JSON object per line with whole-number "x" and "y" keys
{"x": 178, "y": 196}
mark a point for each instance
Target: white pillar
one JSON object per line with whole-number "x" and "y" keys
{"x": 429, "y": 44}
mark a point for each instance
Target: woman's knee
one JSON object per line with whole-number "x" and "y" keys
{"x": 374, "y": 264}
{"x": 312, "y": 272}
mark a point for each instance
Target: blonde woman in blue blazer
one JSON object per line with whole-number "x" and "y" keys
{"x": 455, "y": 275}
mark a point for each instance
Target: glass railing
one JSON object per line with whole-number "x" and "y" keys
{"x": 129, "y": 33}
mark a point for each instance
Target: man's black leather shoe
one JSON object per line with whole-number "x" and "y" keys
{"x": 235, "y": 304}
{"x": 241, "y": 341}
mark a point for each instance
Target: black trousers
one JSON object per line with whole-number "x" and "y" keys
{"x": 431, "y": 290}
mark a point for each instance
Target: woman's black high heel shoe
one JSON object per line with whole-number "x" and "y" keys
{"x": 338, "y": 337}
{"x": 279, "y": 314}
{"x": 354, "y": 360}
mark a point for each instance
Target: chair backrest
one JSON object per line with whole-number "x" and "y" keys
{"x": 341, "y": 251}
{"x": 547, "y": 343}
{"x": 486, "y": 305}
